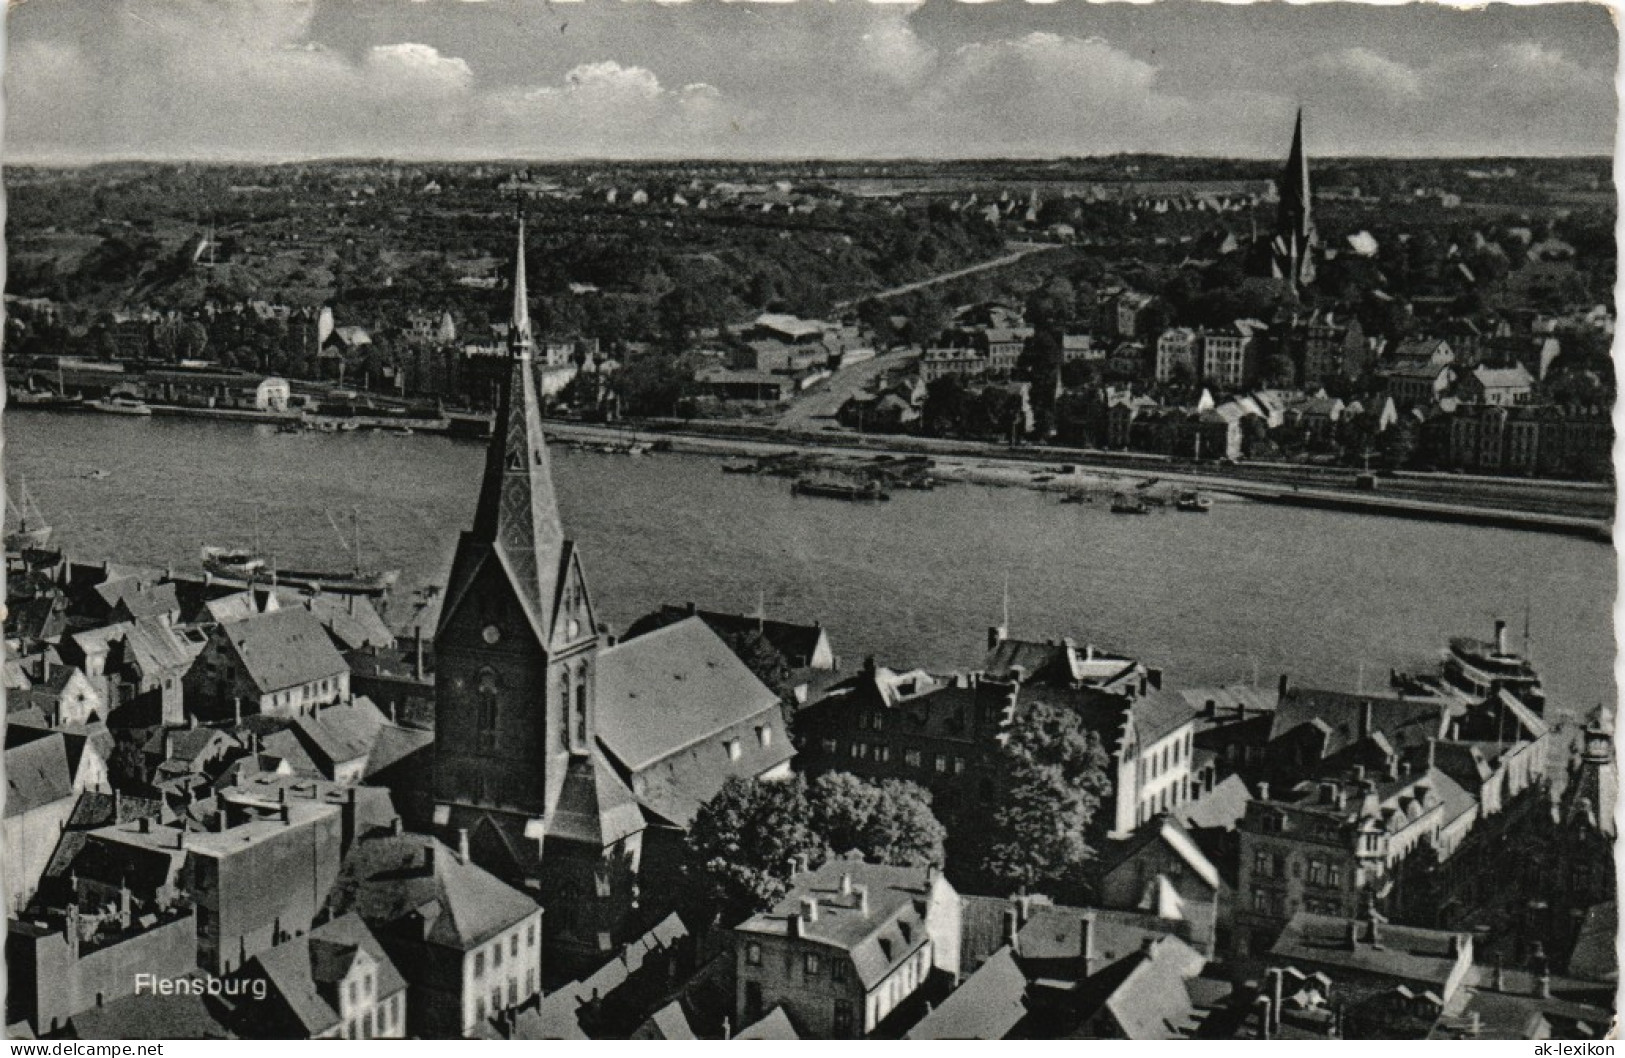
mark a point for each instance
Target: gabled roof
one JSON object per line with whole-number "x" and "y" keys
{"x": 342, "y": 732}
{"x": 299, "y": 969}
{"x": 775, "y": 1026}
{"x": 387, "y": 878}
{"x": 876, "y": 941}
{"x": 797, "y": 642}
{"x": 987, "y": 1006}
{"x": 283, "y": 649}
{"x": 1405, "y": 721}
{"x": 1170, "y": 832}
{"x": 1219, "y": 809}
{"x": 350, "y": 619}
{"x": 1408, "y": 953}
{"x": 667, "y": 1023}
{"x": 138, "y": 598}
{"x": 37, "y": 775}
{"x": 1150, "y": 1002}
{"x": 672, "y": 688}
{"x": 158, "y": 648}
{"x": 150, "y": 1016}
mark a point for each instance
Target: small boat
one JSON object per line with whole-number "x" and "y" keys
{"x": 98, "y": 474}
{"x": 30, "y": 529}
{"x": 235, "y": 562}
{"x": 42, "y": 400}
{"x": 327, "y": 426}
{"x": 738, "y": 468}
{"x": 1075, "y": 497}
{"x": 349, "y": 425}
{"x": 293, "y": 427}
{"x": 122, "y": 405}
{"x": 839, "y": 490}
{"x": 1194, "y": 502}
{"x": 1125, "y": 504}
{"x": 404, "y": 431}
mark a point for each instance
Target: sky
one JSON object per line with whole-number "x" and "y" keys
{"x": 89, "y": 80}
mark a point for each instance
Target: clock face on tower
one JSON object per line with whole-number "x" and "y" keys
{"x": 492, "y": 634}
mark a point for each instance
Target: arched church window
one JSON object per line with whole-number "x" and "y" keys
{"x": 564, "y": 709}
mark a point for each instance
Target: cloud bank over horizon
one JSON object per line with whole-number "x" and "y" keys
{"x": 89, "y": 80}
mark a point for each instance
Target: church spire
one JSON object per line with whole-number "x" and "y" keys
{"x": 1295, "y": 237}
{"x": 519, "y": 337}
{"x": 518, "y": 516}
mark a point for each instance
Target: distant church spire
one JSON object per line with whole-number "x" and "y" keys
{"x": 1295, "y": 237}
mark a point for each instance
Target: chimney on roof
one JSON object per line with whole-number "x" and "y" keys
{"x": 862, "y": 893}
{"x": 1241, "y": 712}
{"x": 123, "y": 905}
{"x": 169, "y": 744}
{"x": 1261, "y": 1006}
{"x": 809, "y": 908}
{"x": 1263, "y": 791}
{"x": 237, "y": 709}
{"x": 1086, "y": 945}
{"x": 869, "y": 665}
{"x": 1276, "y": 976}
{"x": 1012, "y": 928}
{"x": 417, "y": 648}
{"x": 1352, "y": 936}
{"x": 930, "y": 877}
{"x": 794, "y": 924}
{"x": 428, "y": 855}
{"x": 846, "y": 883}
{"x": 996, "y": 634}
{"x": 1284, "y": 685}
{"x": 1501, "y": 637}
{"x": 1500, "y": 975}
{"x": 1210, "y": 708}
{"x": 283, "y": 814}
{"x": 397, "y": 827}
{"x": 690, "y": 608}
{"x": 1359, "y": 773}
{"x": 462, "y": 844}
{"x": 191, "y": 722}
{"x": 144, "y": 825}
{"x": 1365, "y": 719}
{"x": 1433, "y": 747}
{"x": 282, "y": 794}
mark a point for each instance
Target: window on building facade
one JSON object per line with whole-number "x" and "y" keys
{"x": 530, "y": 935}
{"x": 764, "y": 735}
{"x": 941, "y": 763}
{"x": 829, "y": 745}
{"x": 1261, "y": 863}
{"x": 813, "y": 964}
{"x": 513, "y": 945}
{"x": 600, "y": 883}
{"x": 753, "y": 954}
{"x": 1317, "y": 872}
{"x": 1334, "y": 875}
{"x": 479, "y": 964}
{"x": 911, "y": 757}
{"x": 734, "y": 752}
{"x": 959, "y": 765}
{"x": 837, "y": 971}
{"x": 843, "y": 1018}
{"x": 581, "y": 712}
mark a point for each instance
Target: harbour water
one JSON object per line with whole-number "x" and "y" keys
{"x": 1333, "y": 599}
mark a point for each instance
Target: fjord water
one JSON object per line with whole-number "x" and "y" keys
{"x": 1210, "y": 598}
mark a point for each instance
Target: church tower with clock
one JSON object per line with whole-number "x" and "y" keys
{"x": 518, "y": 773}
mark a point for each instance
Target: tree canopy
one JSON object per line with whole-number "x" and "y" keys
{"x": 739, "y": 853}
{"x": 1040, "y": 830}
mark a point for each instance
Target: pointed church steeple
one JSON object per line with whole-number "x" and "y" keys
{"x": 517, "y": 642}
{"x": 1295, "y": 236}
{"x": 518, "y": 513}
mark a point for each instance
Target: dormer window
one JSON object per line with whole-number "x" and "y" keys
{"x": 734, "y": 750}
{"x": 764, "y": 735}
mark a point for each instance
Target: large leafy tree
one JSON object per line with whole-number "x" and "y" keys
{"x": 738, "y": 853}
{"x": 884, "y": 822}
{"x": 741, "y": 849}
{"x": 1040, "y": 830}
